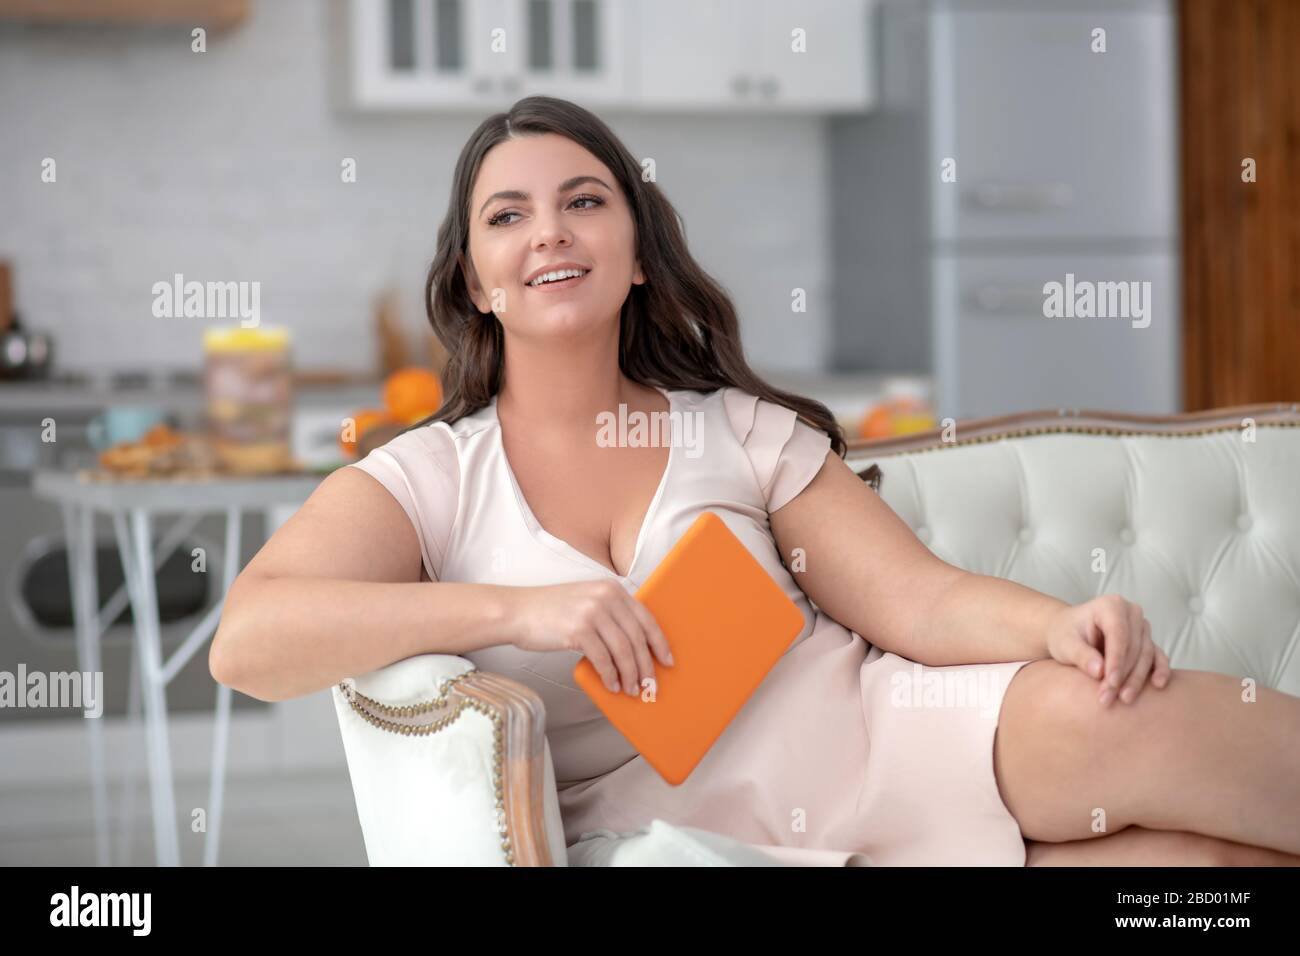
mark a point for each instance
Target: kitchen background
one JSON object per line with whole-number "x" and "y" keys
{"x": 827, "y": 171}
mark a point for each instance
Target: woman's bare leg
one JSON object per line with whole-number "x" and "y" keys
{"x": 1192, "y": 757}
{"x": 1138, "y": 846}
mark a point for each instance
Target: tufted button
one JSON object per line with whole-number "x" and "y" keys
{"x": 1195, "y": 604}
{"x": 923, "y": 533}
{"x": 1126, "y": 535}
{"x": 1026, "y": 535}
{"x": 1244, "y": 521}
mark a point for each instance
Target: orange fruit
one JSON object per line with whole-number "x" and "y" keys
{"x": 876, "y": 424}
{"x": 363, "y": 421}
{"x": 412, "y": 393}
{"x": 896, "y": 416}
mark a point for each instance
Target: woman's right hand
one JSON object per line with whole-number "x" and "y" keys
{"x": 614, "y": 630}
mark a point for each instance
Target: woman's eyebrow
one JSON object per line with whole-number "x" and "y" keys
{"x": 564, "y": 187}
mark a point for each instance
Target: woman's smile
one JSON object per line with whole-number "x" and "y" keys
{"x": 556, "y": 286}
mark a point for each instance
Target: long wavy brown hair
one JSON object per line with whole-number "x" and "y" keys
{"x": 677, "y": 330}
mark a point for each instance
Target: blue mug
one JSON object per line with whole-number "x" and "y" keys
{"x": 122, "y": 423}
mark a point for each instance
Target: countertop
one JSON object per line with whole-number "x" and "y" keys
{"x": 845, "y": 393}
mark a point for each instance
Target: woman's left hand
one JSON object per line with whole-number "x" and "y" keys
{"x": 1109, "y": 638}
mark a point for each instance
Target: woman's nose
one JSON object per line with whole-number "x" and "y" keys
{"x": 551, "y": 231}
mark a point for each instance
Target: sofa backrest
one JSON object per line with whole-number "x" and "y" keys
{"x": 1194, "y": 517}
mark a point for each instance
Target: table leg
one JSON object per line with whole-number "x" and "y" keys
{"x": 216, "y": 793}
{"x": 148, "y": 638}
{"x": 79, "y": 530}
{"x": 221, "y": 723}
{"x": 126, "y": 801}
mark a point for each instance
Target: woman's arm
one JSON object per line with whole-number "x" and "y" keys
{"x": 865, "y": 568}
{"x": 336, "y": 592}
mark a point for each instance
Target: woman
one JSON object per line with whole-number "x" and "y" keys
{"x": 500, "y": 530}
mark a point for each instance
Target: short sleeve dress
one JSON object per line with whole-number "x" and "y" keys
{"x": 844, "y": 755}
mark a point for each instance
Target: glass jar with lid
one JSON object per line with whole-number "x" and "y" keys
{"x": 248, "y": 384}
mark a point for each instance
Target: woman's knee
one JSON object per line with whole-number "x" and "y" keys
{"x": 1063, "y": 758}
{"x": 1062, "y": 704}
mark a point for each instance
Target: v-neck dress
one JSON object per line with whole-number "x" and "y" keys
{"x": 844, "y": 755}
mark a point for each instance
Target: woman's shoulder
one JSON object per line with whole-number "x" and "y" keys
{"x": 420, "y": 469}
{"x": 752, "y": 419}
{"x": 433, "y": 445}
{"x": 437, "y": 443}
{"x": 784, "y": 451}
{"x": 756, "y": 419}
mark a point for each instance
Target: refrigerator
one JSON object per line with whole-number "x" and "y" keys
{"x": 1015, "y": 215}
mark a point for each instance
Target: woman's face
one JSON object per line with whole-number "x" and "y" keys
{"x": 540, "y": 201}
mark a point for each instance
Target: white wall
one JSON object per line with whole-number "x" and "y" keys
{"x": 225, "y": 166}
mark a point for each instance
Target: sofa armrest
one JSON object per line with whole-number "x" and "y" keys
{"x": 449, "y": 766}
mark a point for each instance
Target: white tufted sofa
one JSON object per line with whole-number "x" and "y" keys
{"x": 1195, "y": 517}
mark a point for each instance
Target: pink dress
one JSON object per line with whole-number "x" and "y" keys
{"x": 845, "y": 755}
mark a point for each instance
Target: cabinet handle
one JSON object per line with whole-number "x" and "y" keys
{"x": 769, "y": 86}
{"x": 510, "y": 84}
{"x": 998, "y": 299}
{"x": 740, "y": 84}
{"x": 1021, "y": 197}
{"x": 482, "y": 84}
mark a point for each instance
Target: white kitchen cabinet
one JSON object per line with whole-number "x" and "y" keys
{"x": 715, "y": 55}
{"x": 693, "y": 55}
{"x": 822, "y": 68}
{"x": 484, "y": 54}
{"x": 576, "y": 49}
{"x": 689, "y": 54}
{"x": 1009, "y": 155}
{"x": 414, "y": 53}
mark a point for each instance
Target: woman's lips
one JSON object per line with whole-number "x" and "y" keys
{"x": 557, "y": 286}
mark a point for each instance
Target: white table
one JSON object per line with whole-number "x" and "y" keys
{"x": 132, "y": 503}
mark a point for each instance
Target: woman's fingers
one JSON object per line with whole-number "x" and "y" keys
{"x": 1082, "y": 654}
{"x": 1162, "y": 672}
{"x": 1137, "y": 677}
{"x": 1131, "y": 618}
{"x": 1114, "y": 623}
{"x": 658, "y": 641}
{"x": 594, "y": 649}
{"x": 620, "y": 648}
{"x": 632, "y": 627}
{"x": 1136, "y": 625}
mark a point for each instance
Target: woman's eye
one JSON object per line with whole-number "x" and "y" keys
{"x": 498, "y": 219}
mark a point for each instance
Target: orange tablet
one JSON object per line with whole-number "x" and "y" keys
{"x": 727, "y": 622}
